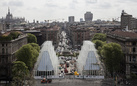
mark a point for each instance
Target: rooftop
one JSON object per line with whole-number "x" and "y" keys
{"x": 125, "y": 34}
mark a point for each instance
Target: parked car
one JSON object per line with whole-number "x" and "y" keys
{"x": 65, "y": 70}
{"x": 46, "y": 80}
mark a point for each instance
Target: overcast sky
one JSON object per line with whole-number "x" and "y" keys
{"x": 60, "y": 9}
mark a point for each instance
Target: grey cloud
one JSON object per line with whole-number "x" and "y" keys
{"x": 105, "y": 5}
{"x": 131, "y": 0}
{"x": 50, "y": 5}
{"x": 72, "y": 6}
{"x": 90, "y": 1}
{"x": 75, "y": 1}
{"x": 125, "y": 1}
{"x": 13, "y": 3}
{"x": 32, "y": 8}
{"x": 4, "y": 4}
{"x": 16, "y": 3}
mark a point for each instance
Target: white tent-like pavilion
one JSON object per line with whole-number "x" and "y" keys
{"x": 47, "y": 61}
{"x": 88, "y": 62}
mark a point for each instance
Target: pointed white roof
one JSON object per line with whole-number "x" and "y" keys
{"x": 45, "y": 62}
{"x": 91, "y": 62}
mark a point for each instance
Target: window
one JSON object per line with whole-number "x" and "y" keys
{"x": 6, "y": 59}
{"x": 130, "y": 58}
{"x": 3, "y": 51}
{"x": 134, "y": 49}
{"x": 2, "y": 45}
{"x": 134, "y": 58}
{"x": 6, "y": 50}
{"x": 133, "y": 43}
{"x": 78, "y": 35}
{"x": 2, "y": 59}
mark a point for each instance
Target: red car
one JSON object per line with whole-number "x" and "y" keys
{"x": 46, "y": 80}
{"x": 65, "y": 70}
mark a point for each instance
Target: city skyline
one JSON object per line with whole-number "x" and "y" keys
{"x": 59, "y": 10}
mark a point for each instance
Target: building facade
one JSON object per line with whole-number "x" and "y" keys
{"x": 78, "y": 35}
{"x": 2, "y": 27}
{"x": 71, "y": 19}
{"x": 128, "y": 42}
{"x": 88, "y": 16}
{"x": 7, "y": 55}
{"x": 127, "y": 21}
{"x": 51, "y": 34}
{"x": 38, "y": 35}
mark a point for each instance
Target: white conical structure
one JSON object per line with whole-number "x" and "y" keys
{"x": 47, "y": 52}
{"x": 88, "y": 58}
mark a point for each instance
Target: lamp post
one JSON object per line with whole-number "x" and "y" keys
{"x": 83, "y": 71}
{"x": 46, "y": 71}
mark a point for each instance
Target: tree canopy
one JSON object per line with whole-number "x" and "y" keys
{"x": 25, "y": 54}
{"x": 31, "y": 38}
{"x": 35, "y": 46}
{"x": 113, "y": 55}
{"x": 14, "y": 34}
{"x": 28, "y": 54}
{"x": 98, "y": 43}
{"x": 19, "y": 71}
{"x": 99, "y": 36}
{"x": 11, "y": 36}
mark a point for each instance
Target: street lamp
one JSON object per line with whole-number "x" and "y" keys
{"x": 46, "y": 71}
{"x": 83, "y": 72}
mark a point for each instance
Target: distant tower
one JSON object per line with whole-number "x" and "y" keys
{"x": 71, "y": 19}
{"x": 9, "y": 15}
{"x": 8, "y": 10}
{"x": 8, "y": 20}
{"x": 81, "y": 19}
{"x": 33, "y": 20}
{"x": 88, "y": 16}
{"x": 126, "y": 20}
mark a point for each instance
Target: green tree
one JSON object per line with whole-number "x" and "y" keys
{"x": 14, "y": 35}
{"x": 35, "y": 46}
{"x": 35, "y": 51}
{"x": 19, "y": 72}
{"x": 5, "y": 38}
{"x": 113, "y": 55}
{"x": 99, "y": 36}
{"x": 25, "y": 54}
{"x": 31, "y": 38}
{"x": 98, "y": 43}
{"x": 28, "y": 54}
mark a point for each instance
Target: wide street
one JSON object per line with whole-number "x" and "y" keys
{"x": 68, "y": 75}
{"x": 71, "y": 82}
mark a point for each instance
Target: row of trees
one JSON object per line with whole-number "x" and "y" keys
{"x": 111, "y": 53}
{"x": 26, "y": 58}
{"x": 11, "y": 36}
